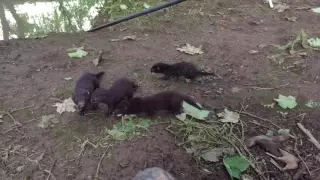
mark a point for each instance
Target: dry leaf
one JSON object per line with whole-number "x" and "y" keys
{"x": 188, "y": 49}
{"x": 20, "y": 168}
{"x": 229, "y": 116}
{"x": 68, "y": 78}
{"x": 48, "y": 121}
{"x": 66, "y": 106}
{"x": 290, "y": 160}
{"x": 270, "y": 144}
{"x": 97, "y": 60}
{"x": 253, "y": 52}
{"x": 281, "y": 7}
{"x": 130, "y": 37}
{"x": 293, "y": 18}
{"x": 115, "y": 40}
{"x": 214, "y": 154}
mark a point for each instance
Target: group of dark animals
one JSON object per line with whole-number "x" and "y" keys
{"x": 89, "y": 95}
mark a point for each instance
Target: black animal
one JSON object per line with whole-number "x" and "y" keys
{"x": 176, "y": 70}
{"x": 164, "y": 101}
{"x": 120, "y": 90}
{"x": 85, "y": 86}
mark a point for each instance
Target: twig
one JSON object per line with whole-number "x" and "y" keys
{"x": 269, "y": 88}
{"x": 84, "y": 144}
{"x": 310, "y": 136}
{"x": 50, "y": 172}
{"x": 276, "y": 164}
{"x": 98, "y": 168}
{"x": 14, "y": 120}
{"x": 257, "y": 117}
{"x": 304, "y": 163}
{"x": 19, "y": 109}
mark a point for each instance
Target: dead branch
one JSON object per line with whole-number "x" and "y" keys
{"x": 50, "y": 171}
{"x": 99, "y": 164}
{"x": 312, "y": 139}
{"x": 257, "y": 117}
{"x": 269, "y": 88}
{"x": 84, "y": 144}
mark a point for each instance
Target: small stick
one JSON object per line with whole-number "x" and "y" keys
{"x": 19, "y": 109}
{"x": 271, "y": 4}
{"x": 312, "y": 139}
{"x": 257, "y": 117}
{"x": 269, "y": 88}
{"x": 276, "y": 164}
{"x": 50, "y": 172}
{"x": 14, "y": 120}
{"x": 98, "y": 168}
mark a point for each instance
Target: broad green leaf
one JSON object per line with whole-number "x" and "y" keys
{"x": 194, "y": 112}
{"x": 78, "y": 54}
{"x": 316, "y": 10}
{"x": 123, "y": 7}
{"x": 314, "y": 42}
{"x": 269, "y": 133}
{"x": 313, "y": 104}
{"x": 236, "y": 165}
{"x": 284, "y": 131}
{"x": 286, "y": 101}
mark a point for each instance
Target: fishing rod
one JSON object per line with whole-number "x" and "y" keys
{"x": 148, "y": 11}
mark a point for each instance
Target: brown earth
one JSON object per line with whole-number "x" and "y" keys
{"x": 33, "y": 72}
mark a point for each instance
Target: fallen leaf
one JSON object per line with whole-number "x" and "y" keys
{"x": 97, "y": 60}
{"x": 117, "y": 134}
{"x": 316, "y": 10}
{"x": 130, "y": 37}
{"x": 284, "y": 131}
{"x": 301, "y": 39}
{"x": 292, "y": 19}
{"x": 193, "y": 112}
{"x": 236, "y": 165}
{"x": 314, "y": 42}
{"x": 115, "y": 40}
{"x": 79, "y": 53}
{"x": 66, "y": 106}
{"x": 19, "y": 168}
{"x": 68, "y": 78}
{"x": 313, "y": 104}
{"x": 277, "y": 58}
{"x": 147, "y": 6}
{"x": 286, "y": 101}
{"x": 214, "y": 154}
{"x": 229, "y": 116}
{"x": 123, "y": 7}
{"x": 48, "y": 121}
{"x": 269, "y": 105}
{"x": 281, "y": 7}
{"x": 270, "y": 144}
{"x": 290, "y": 160}
{"x": 269, "y": 133}
{"x": 188, "y": 49}
{"x": 253, "y": 51}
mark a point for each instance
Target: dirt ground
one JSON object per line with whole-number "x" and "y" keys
{"x": 33, "y": 72}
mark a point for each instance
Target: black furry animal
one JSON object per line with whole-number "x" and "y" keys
{"x": 85, "y": 86}
{"x": 176, "y": 70}
{"x": 121, "y": 89}
{"x": 164, "y": 101}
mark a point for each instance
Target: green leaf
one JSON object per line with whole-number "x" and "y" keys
{"x": 316, "y": 10}
{"x": 78, "y": 54}
{"x": 286, "y": 101}
{"x": 284, "y": 131}
{"x": 269, "y": 133}
{"x": 314, "y": 42}
{"x": 117, "y": 135}
{"x": 236, "y": 165}
{"x": 194, "y": 112}
{"x": 147, "y": 6}
{"x": 313, "y": 104}
{"x": 123, "y": 7}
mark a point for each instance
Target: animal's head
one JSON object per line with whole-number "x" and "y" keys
{"x": 159, "y": 68}
{"x": 128, "y": 106}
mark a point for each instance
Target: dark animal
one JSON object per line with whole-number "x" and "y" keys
{"x": 176, "y": 70}
{"x": 164, "y": 101}
{"x": 120, "y": 90}
{"x": 85, "y": 86}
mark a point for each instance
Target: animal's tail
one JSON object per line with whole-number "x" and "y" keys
{"x": 98, "y": 75}
{"x": 206, "y": 73}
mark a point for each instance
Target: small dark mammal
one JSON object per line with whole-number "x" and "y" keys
{"x": 176, "y": 70}
{"x": 120, "y": 90}
{"x": 164, "y": 101}
{"x": 85, "y": 86}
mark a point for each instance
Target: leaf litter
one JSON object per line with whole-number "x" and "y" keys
{"x": 213, "y": 154}
{"x": 189, "y": 49}
{"x": 66, "y": 106}
{"x": 281, "y": 7}
{"x": 77, "y": 52}
{"x": 290, "y": 160}
{"x": 48, "y": 121}
{"x": 313, "y": 104}
{"x": 193, "y": 112}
